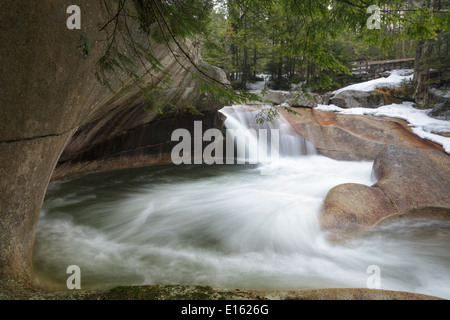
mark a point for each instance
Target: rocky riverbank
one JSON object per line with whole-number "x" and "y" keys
{"x": 177, "y": 292}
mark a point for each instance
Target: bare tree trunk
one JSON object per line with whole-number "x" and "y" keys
{"x": 421, "y": 67}
{"x": 245, "y": 69}
{"x": 255, "y": 61}
{"x": 421, "y": 72}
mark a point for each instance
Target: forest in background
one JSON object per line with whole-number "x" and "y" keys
{"x": 312, "y": 42}
{"x": 317, "y": 42}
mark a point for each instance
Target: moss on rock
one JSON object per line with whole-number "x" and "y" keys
{"x": 164, "y": 292}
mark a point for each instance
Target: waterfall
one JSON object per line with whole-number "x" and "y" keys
{"x": 276, "y": 136}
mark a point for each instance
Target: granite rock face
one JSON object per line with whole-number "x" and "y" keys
{"x": 92, "y": 149}
{"x": 413, "y": 178}
{"x": 353, "y": 137}
{"x": 357, "y": 99}
{"x": 410, "y": 183}
{"x": 353, "y": 207}
{"x": 441, "y": 110}
{"x": 50, "y": 91}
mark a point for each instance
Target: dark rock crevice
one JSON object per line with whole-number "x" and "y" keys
{"x": 389, "y": 198}
{"x": 51, "y": 135}
{"x": 145, "y": 144}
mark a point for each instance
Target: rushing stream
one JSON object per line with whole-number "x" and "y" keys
{"x": 228, "y": 226}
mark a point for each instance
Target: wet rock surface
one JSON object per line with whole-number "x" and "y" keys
{"x": 410, "y": 183}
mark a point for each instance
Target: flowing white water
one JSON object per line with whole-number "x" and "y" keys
{"x": 242, "y": 118}
{"x": 228, "y": 226}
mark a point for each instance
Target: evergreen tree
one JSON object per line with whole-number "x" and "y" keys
{"x": 313, "y": 41}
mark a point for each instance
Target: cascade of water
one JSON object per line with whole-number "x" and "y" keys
{"x": 280, "y": 138}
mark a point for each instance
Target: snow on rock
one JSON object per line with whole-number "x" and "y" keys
{"x": 420, "y": 122}
{"x": 441, "y": 93}
{"x": 395, "y": 79}
{"x": 259, "y": 85}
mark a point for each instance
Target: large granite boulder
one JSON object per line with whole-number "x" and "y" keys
{"x": 441, "y": 110}
{"x": 353, "y": 137}
{"x": 358, "y": 99}
{"x": 410, "y": 182}
{"x": 413, "y": 178}
{"x": 354, "y": 207}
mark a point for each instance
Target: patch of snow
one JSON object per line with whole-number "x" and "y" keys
{"x": 441, "y": 93}
{"x": 420, "y": 122}
{"x": 402, "y": 72}
{"x": 395, "y": 79}
{"x": 259, "y": 85}
{"x": 256, "y": 86}
{"x": 297, "y": 86}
